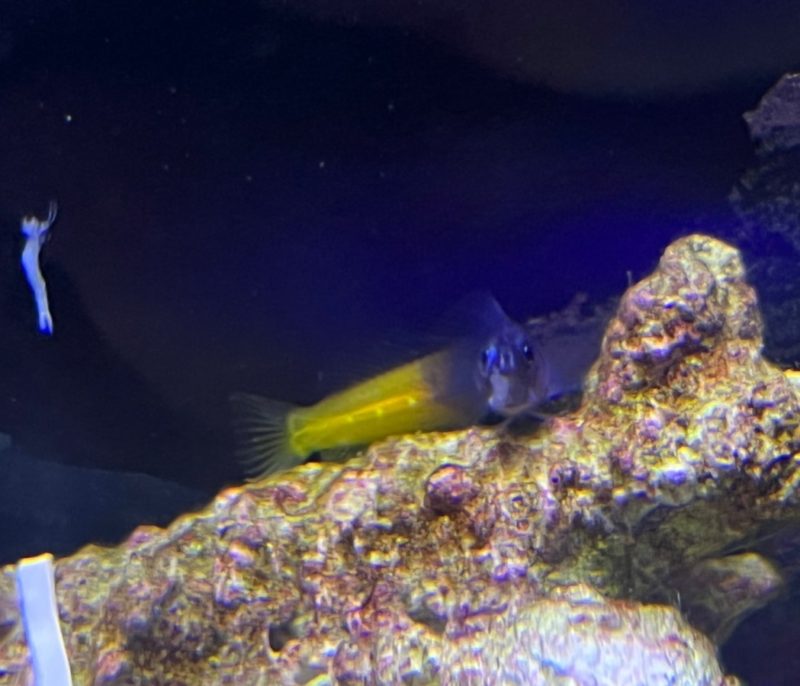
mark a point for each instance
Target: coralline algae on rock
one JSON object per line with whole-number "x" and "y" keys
{"x": 477, "y": 557}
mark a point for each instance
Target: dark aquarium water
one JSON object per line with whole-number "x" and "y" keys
{"x": 286, "y": 197}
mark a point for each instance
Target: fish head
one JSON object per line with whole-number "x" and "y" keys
{"x": 513, "y": 371}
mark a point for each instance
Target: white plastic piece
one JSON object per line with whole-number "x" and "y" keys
{"x": 36, "y": 233}
{"x": 37, "y": 600}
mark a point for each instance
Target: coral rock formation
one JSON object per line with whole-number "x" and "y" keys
{"x": 478, "y": 557}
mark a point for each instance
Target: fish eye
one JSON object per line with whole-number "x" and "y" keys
{"x": 527, "y": 351}
{"x": 485, "y": 355}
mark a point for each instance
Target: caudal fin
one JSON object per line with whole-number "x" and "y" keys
{"x": 262, "y": 440}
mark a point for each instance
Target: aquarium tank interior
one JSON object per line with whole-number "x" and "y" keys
{"x": 399, "y": 342}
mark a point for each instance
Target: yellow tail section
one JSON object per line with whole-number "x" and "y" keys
{"x": 273, "y": 436}
{"x": 399, "y": 401}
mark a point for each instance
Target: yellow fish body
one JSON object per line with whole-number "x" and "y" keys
{"x": 499, "y": 373}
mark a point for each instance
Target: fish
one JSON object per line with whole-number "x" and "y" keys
{"x": 495, "y": 373}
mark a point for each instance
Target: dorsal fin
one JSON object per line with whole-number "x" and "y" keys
{"x": 476, "y": 315}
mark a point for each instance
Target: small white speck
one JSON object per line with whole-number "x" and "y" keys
{"x": 68, "y": 118}
{"x": 390, "y": 106}
{"x": 248, "y": 178}
{"x": 173, "y": 90}
{"x": 165, "y": 166}
{"x": 322, "y": 164}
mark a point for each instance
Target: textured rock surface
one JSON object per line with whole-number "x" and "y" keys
{"x": 475, "y": 557}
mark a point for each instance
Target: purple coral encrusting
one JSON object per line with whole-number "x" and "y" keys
{"x": 475, "y": 556}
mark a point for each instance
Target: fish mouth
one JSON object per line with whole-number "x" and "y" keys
{"x": 506, "y": 397}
